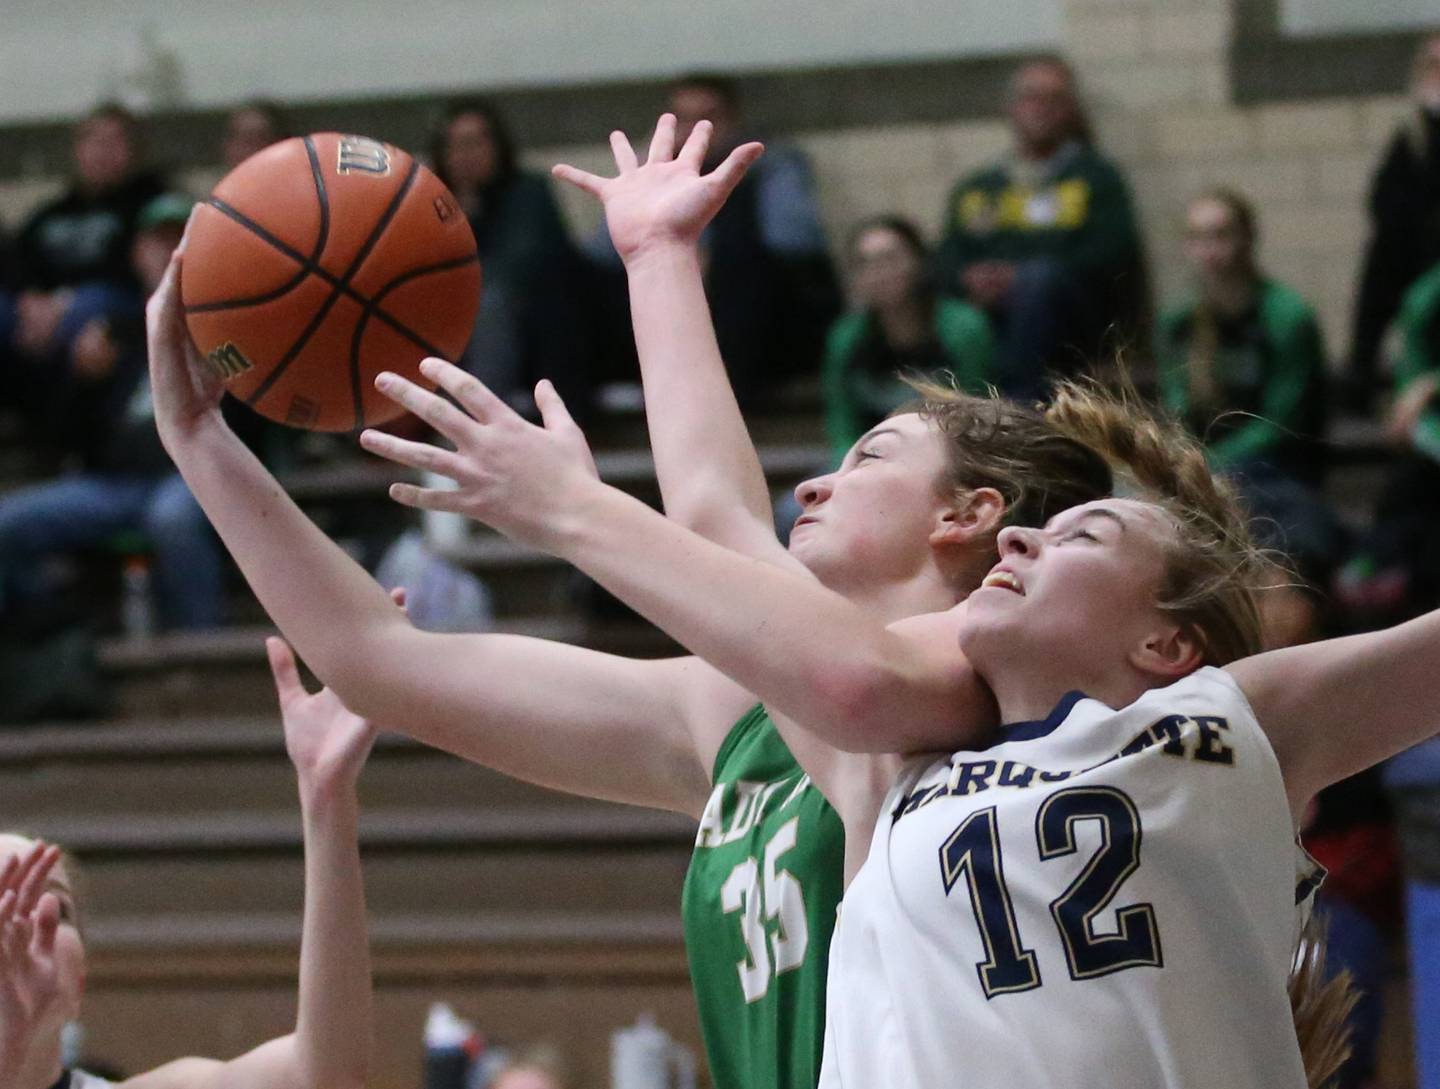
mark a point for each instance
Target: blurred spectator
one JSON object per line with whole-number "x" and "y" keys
{"x": 125, "y": 482}
{"x": 1045, "y": 241}
{"x": 1350, "y": 831}
{"x": 768, "y": 275}
{"x": 84, "y": 234}
{"x": 250, "y": 127}
{"x": 531, "y": 324}
{"x": 9, "y": 269}
{"x": 1405, "y": 219}
{"x": 1242, "y": 361}
{"x": 899, "y": 325}
{"x": 1399, "y": 565}
{"x": 1413, "y": 778}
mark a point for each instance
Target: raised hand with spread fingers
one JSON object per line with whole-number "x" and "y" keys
{"x": 32, "y": 993}
{"x": 510, "y": 474}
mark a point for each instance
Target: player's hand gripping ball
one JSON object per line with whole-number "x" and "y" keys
{"x": 320, "y": 262}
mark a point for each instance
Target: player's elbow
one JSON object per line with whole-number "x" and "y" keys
{"x": 856, "y": 705}
{"x": 366, "y": 669}
{"x": 887, "y": 707}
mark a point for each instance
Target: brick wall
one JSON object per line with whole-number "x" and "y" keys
{"x": 1156, "y": 77}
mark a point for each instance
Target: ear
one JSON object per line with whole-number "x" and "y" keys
{"x": 1169, "y": 652}
{"x": 978, "y": 514}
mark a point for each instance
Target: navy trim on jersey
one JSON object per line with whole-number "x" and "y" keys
{"x": 1029, "y": 731}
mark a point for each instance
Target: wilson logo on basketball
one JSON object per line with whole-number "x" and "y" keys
{"x": 227, "y": 361}
{"x": 357, "y": 153}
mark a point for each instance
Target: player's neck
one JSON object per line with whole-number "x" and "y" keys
{"x": 925, "y": 592}
{"x": 1030, "y": 694}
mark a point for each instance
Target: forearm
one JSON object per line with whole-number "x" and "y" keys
{"x": 333, "y": 1028}
{"x": 804, "y": 650}
{"x": 324, "y": 603}
{"x": 710, "y": 477}
{"x": 1336, "y": 707}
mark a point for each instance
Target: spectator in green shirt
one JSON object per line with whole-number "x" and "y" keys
{"x": 899, "y": 326}
{"x": 1242, "y": 360}
{"x": 1045, "y": 240}
{"x": 1241, "y": 357}
{"x": 1399, "y": 568}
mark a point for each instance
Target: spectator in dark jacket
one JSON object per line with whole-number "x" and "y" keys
{"x": 771, "y": 284}
{"x": 531, "y": 323}
{"x": 1405, "y": 221}
{"x": 1045, "y": 241}
{"x": 123, "y": 481}
{"x": 83, "y": 236}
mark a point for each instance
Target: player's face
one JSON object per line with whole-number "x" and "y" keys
{"x": 470, "y": 153}
{"x": 1077, "y": 595}
{"x": 1215, "y": 244}
{"x": 885, "y": 268}
{"x": 1042, "y": 107}
{"x": 69, "y": 948}
{"x": 103, "y": 152}
{"x": 870, "y": 521}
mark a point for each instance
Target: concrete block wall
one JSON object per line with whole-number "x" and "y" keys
{"x": 1156, "y": 77}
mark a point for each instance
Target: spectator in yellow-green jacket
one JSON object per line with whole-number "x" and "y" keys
{"x": 899, "y": 326}
{"x": 1045, "y": 240}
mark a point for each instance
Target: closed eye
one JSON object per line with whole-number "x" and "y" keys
{"x": 1081, "y": 534}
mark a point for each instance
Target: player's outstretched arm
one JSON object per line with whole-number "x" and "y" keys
{"x": 806, "y": 651}
{"x": 331, "y": 1045}
{"x": 1336, "y": 707}
{"x": 710, "y": 477}
{"x": 537, "y": 710}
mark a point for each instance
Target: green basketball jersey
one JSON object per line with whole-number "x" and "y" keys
{"x": 759, "y": 908}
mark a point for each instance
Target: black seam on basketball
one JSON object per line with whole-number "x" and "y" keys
{"x": 324, "y": 198}
{"x": 373, "y": 305}
{"x": 255, "y": 228}
{"x": 340, "y": 288}
{"x": 373, "y": 308}
{"x": 254, "y": 300}
{"x": 355, "y": 391}
{"x": 308, "y": 266}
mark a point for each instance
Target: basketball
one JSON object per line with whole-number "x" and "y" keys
{"x": 316, "y": 264}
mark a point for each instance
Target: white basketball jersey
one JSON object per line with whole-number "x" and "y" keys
{"x": 1101, "y": 899}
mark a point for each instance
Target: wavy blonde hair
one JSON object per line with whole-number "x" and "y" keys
{"x": 1212, "y": 566}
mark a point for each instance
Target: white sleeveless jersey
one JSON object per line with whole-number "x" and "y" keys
{"x": 1102, "y": 899}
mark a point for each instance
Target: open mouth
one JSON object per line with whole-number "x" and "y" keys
{"x": 1003, "y": 580}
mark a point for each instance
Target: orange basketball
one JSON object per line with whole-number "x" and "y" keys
{"x": 319, "y": 262}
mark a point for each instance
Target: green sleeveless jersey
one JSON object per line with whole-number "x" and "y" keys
{"x": 759, "y": 908}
